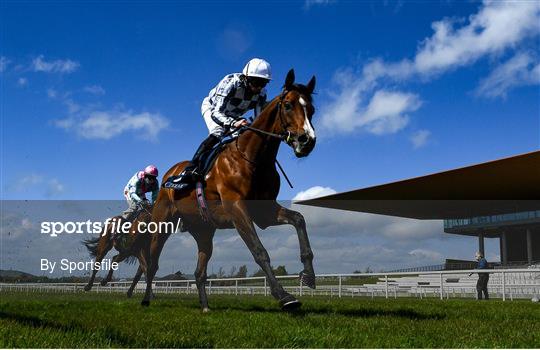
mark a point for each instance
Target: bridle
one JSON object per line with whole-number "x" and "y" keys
{"x": 285, "y": 136}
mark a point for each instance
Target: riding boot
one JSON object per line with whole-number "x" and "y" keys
{"x": 204, "y": 147}
{"x": 191, "y": 173}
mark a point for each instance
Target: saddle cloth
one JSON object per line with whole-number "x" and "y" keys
{"x": 183, "y": 182}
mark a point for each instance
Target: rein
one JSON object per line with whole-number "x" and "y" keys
{"x": 285, "y": 137}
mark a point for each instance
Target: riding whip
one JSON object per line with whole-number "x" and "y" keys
{"x": 284, "y": 175}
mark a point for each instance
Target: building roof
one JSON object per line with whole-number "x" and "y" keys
{"x": 501, "y": 186}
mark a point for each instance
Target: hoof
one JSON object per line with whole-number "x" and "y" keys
{"x": 87, "y": 288}
{"x": 289, "y": 303}
{"x": 103, "y": 283}
{"x": 129, "y": 294}
{"x": 307, "y": 279}
{"x": 145, "y": 303}
{"x": 205, "y": 310}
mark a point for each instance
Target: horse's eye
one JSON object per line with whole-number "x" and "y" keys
{"x": 287, "y": 106}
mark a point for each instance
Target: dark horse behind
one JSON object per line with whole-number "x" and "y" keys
{"x": 130, "y": 246}
{"x": 241, "y": 190}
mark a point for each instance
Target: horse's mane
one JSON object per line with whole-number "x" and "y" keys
{"x": 301, "y": 88}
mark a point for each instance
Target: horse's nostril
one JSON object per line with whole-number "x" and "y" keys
{"x": 303, "y": 138}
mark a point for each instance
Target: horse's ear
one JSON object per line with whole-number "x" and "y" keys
{"x": 311, "y": 85}
{"x": 289, "y": 80}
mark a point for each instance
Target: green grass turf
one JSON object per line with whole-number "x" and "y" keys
{"x": 89, "y": 320}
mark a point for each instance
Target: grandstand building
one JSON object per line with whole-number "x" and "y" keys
{"x": 498, "y": 199}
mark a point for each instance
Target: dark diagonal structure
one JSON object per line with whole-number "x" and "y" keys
{"x": 499, "y": 198}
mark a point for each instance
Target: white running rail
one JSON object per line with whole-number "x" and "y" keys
{"x": 503, "y": 284}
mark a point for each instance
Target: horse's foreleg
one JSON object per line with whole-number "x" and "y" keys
{"x": 136, "y": 280}
{"x": 245, "y": 228}
{"x": 204, "y": 245}
{"x": 156, "y": 246}
{"x": 287, "y": 216}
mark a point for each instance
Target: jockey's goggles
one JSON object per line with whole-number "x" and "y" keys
{"x": 257, "y": 82}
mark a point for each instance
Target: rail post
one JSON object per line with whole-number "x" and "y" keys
{"x": 339, "y": 290}
{"x": 301, "y": 290}
{"x": 441, "y": 281}
{"x": 386, "y": 286}
{"x": 503, "y": 286}
{"x": 210, "y": 287}
{"x": 265, "y": 288}
{"x": 236, "y": 287}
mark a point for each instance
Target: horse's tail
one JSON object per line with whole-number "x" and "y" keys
{"x": 92, "y": 246}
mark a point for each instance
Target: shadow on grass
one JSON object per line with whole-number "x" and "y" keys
{"x": 360, "y": 312}
{"x": 117, "y": 339}
{"x": 35, "y": 322}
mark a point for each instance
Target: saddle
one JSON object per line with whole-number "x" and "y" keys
{"x": 185, "y": 181}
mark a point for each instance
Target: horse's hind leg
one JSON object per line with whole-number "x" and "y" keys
{"x": 116, "y": 259}
{"x": 136, "y": 279}
{"x": 205, "y": 246}
{"x": 104, "y": 245}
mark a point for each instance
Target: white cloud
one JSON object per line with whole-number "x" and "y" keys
{"x": 497, "y": 27}
{"x": 52, "y": 93}
{"x": 27, "y": 181}
{"x": 58, "y": 66}
{"x": 13, "y": 226}
{"x": 92, "y": 121}
{"x": 233, "y": 42}
{"x": 95, "y": 90}
{"x": 108, "y": 124}
{"x": 310, "y": 3}
{"x": 386, "y": 112}
{"x": 520, "y": 70}
{"x": 355, "y": 224}
{"x": 420, "y": 138}
{"x": 54, "y": 188}
{"x": 26, "y": 224}
{"x": 425, "y": 254}
{"x": 313, "y": 192}
{"x": 22, "y": 82}
{"x": 4, "y": 62}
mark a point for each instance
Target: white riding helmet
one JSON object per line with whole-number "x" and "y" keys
{"x": 259, "y": 68}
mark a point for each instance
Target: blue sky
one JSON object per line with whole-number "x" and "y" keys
{"x": 92, "y": 92}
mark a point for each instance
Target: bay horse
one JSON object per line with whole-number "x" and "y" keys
{"x": 133, "y": 245}
{"x": 241, "y": 190}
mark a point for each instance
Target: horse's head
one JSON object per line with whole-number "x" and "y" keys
{"x": 295, "y": 112}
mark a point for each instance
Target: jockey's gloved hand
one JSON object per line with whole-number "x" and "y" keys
{"x": 240, "y": 122}
{"x": 145, "y": 203}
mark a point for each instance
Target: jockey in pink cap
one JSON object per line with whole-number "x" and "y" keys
{"x": 136, "y": 189}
